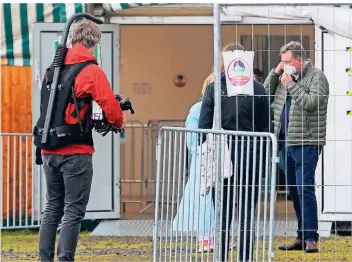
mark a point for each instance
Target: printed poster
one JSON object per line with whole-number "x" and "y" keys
{"x": 238, "y": 66}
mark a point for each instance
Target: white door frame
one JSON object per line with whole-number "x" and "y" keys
{"x": 37, "y": 172}
{"x": 199, "y": 20}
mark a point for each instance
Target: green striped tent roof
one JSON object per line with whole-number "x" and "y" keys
{"x": 17, "y": 19}
{"x": 16, "y": 23}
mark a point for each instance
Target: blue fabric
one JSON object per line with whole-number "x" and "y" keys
{"x": 301, "y": 162}
{"x": 192, "y": 123}
{"x": 285, "y": 118}
{"x": 195, "y": 212}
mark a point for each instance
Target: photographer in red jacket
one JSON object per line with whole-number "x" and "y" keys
{"x": 67, "y": 158}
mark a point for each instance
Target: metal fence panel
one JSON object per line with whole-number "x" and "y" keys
{"x": 20, "y": 190}
{"x": 133, "y": 164}
{"x": 184, "y": 212}
{"x": 152, "y": 136}
{"x": 138, "y": 166}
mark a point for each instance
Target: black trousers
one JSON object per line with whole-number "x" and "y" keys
{"x": 68, "y": 181}
{"x": 243, "y": 207}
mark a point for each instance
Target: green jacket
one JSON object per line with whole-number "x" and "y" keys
{"x": 308, "y": 111}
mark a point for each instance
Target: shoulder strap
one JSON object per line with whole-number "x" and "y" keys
{"x": 49, "y": 75}
{"x": 74, "y": 70}
{"x": 71, "y": 76}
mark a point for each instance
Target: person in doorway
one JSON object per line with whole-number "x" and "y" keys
{"x": 238, "y": 113}
{"x": 68, "y": 165}
{"x": 196, "y": 212}
{"x": 258, "y": 75}
{"x": 300, "y": 95}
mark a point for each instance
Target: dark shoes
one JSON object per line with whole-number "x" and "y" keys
{"x": 309, "y": 246}
{"x": 312, "y": 247}
{"x": 297, "y": 245}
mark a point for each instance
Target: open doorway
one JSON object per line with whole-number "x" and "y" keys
{"x": 152, "y": 56}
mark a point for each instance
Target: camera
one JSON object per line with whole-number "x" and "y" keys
{"x": 100, "y": 124}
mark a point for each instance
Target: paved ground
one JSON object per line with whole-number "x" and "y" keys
{"x": 22, "y": 246}
{"x": 144, "y": 228}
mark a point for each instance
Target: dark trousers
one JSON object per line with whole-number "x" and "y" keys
{"x": 243, "y": 210}
{"x": 301, "y": 162}
{"x": 68, "y": 181}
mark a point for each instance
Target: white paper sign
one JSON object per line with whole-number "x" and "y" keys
{"x": 238, "y": 66}
{"x": 97, "y": 111}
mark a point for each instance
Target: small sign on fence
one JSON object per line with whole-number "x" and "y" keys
{"x": 239, "y": 72}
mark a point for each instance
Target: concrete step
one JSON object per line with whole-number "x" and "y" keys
{"x": 144, "y": 228}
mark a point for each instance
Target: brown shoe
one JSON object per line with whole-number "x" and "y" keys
{"x": 312, "y": 247}
{"x": 297, "y": 245}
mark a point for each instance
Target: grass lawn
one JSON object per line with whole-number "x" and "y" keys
{"x": 23, "y": 245}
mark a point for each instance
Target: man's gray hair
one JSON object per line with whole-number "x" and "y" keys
{"x": 296, "y": 48}
{"x": 85, "y": 32}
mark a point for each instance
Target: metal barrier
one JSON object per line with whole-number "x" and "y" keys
{"x": 184, "y": 216}
{"x": 133, "y": 163}
{"x": 20, "y": 191}
{"x": 152, "y": 137}
{"x": 138, "y": 166}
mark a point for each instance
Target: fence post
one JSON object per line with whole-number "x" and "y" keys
{"x": 274, "y": 163}
{"x": 157, "y": 196}
{"x": 217, "y": 124}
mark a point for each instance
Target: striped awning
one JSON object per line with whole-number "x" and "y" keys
{"x": 16, "y": 23}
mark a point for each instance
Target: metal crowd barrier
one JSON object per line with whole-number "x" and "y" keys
{"x": 185, "y": 214}
{"x": 138, "y": 166}
{"x": 20, "y": 191}
{"x": 152, "y": 138}
{"x": 133, "y": 163}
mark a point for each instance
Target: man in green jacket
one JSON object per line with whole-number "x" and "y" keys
{"x": 299, "y": 92}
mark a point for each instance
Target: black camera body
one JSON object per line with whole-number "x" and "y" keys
{"x": 100, "y": 124}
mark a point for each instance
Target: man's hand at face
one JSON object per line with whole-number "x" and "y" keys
{"x": 279, "y": 68}
{"x": 286, "y": 79}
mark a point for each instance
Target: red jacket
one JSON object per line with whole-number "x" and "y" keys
{"x": 91, "y": 81}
